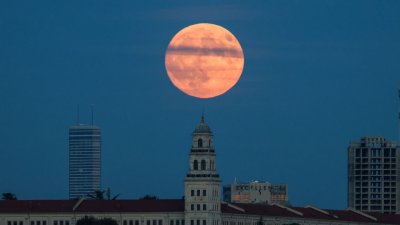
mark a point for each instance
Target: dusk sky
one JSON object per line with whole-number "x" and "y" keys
{"x": 317, "y": 74}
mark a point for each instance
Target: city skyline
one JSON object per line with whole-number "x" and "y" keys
{"x": 317, "y": 75}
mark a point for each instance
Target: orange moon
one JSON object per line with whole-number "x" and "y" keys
{"x": 204, "y": 60}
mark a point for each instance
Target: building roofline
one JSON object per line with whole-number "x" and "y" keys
{"x": 362, "y": 214}
{"x": 288, "y": 209}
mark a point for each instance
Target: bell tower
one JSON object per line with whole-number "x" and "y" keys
{"x": 202, "y": 182}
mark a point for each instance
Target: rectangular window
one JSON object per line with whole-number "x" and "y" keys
{"x": 204, "y": 207}
{"x": 44, "y": 222}
{"x": 66, "y": 222}
{"x": 148, "y": 222}
{"x": 177, "y": 222}
{"x": 191, "y": 222}
{"x": 192, "y": 207}
{"x": 125, "y": 222}
{"x": 198, "y": 222}
{"x": 192, "y": 192}
{"x": 54, "y": 223}
{"x": 154, "y": 222}
{"x": 8, "y": 222}
{"x": 15, "y": 223}
{"x": 38, "y": 223}
{"x": 61, "y": 222}
{"x": 198, "y": 208}
{"x": 204, "y": 222}
{"x": 136, "y": 222}
{"x": 198, "y": 192}
{"x": 130, "y": 222}
{"x": 171, "y": 222}
{"x": 204, "y": 192}
{"x": 22, "y": 223}
{"x": 159, "y": 222}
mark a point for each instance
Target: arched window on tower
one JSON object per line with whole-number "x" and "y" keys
{"x": 203, "y": 164}
{"x": 200, "y": 143}
{"x": 195, "y": 165}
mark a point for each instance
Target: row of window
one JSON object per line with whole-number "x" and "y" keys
{"x": 375, "y": 172}
{"x": 366, "y": 178}
{"x": 198, "y": 222}
{"x": 377, "y": 207}
{"x": 154, "y": 222}
{"x": 376, "y": 152}
{"x": 375, "y": 160}
{"x": 375, "y": 190}
{"x": 198, "y": 207}
{"x": 130, "y": 222}
{"x": 198, "y": 192}
{"x": 241, "y": 223}
{"x": 246, "y": 187}
{"x": 376, "y": 184}
{"x": 386, "y": 196}
{"x": 202, "y": 165}
{"x": 39, "y": 222}
{"x": 177, "y": 222}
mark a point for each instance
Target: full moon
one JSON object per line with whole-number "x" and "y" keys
{"x": 204, "y": 60}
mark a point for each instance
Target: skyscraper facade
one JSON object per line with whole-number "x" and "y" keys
{"x": 84, "y": 160}
{"x": 373, "y": 175}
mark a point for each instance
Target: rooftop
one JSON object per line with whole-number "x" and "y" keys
{"x": 177, "y": 205}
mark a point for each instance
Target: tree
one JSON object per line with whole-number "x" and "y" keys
{"x": 149, "y": 197}
{"x": 9, "y": 196}
{"x": 97, "y": 195}
{"x": 108, "y": 193}
{"x": 86, "y": 221}
{"x": 260, "y": 221}
{"x": 90, "y": 220}
{"x": 106, "y": 221}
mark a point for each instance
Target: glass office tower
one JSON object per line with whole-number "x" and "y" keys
{"x": 84, "y": 160}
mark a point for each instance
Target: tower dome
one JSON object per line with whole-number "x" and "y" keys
{"x": 202, "y": 128}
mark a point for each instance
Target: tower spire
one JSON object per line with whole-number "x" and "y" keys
{"x": 77, "y": 116}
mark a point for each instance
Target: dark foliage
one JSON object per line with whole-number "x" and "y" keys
{"x": 89, "y": 220}
{"x": 9, "y": 196}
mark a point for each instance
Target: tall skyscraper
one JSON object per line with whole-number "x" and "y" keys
{"x": 84, "y": 160}
{"x": 373, "y": 175}
{"x": 202, "y": 182}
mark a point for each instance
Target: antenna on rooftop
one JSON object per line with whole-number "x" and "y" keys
{"x": 398, "y": 138}
{"x": 91, "y": 108}
{"x": 77, "y": 116}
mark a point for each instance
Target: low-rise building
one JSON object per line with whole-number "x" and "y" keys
{"x": 256, "y": 192}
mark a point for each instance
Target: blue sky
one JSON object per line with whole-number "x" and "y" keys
{"x": 317, "y": 75}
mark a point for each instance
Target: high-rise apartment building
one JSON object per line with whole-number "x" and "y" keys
{"x": 84, "y": 160}
{"x": 256, "y": 192}
{"x": 373, "y": 175}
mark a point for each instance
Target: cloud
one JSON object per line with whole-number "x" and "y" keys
{"x": 204, "y": 51}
